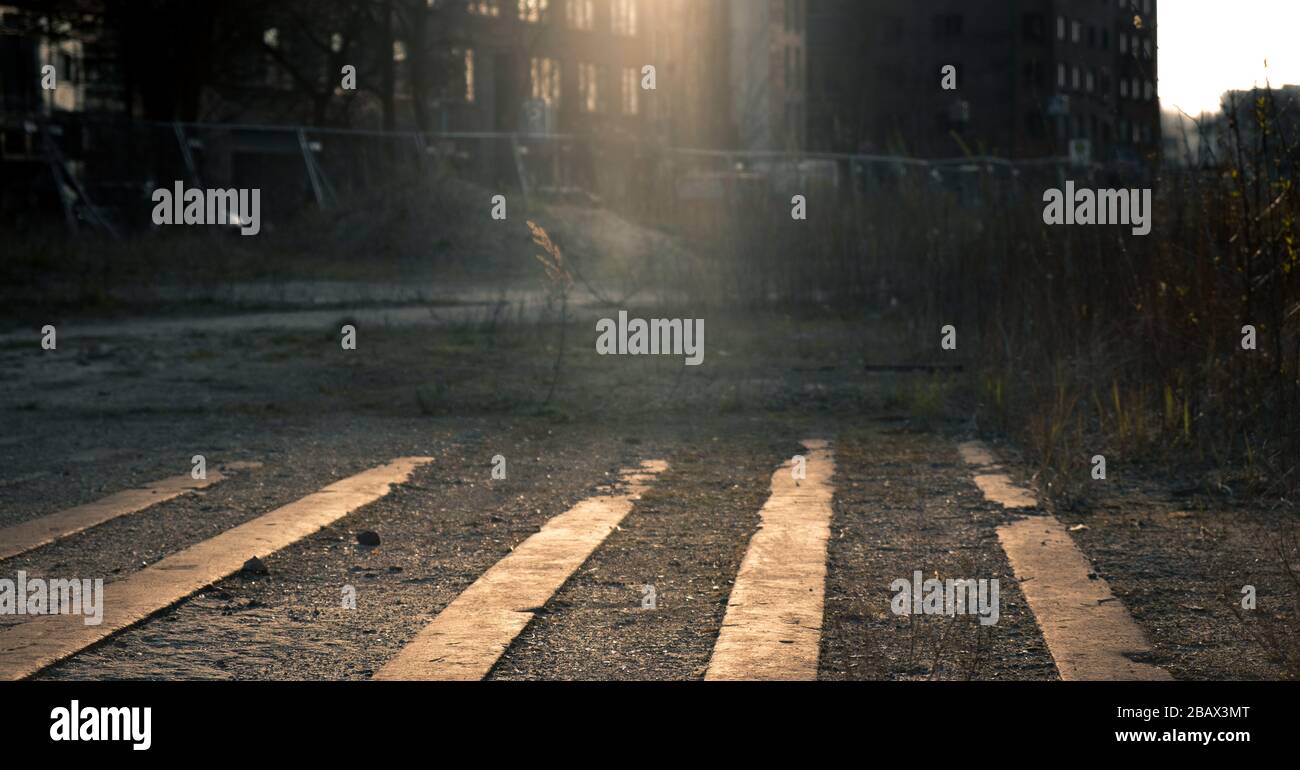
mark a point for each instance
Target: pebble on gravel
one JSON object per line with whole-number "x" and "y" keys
{"x": 367, "y": 537}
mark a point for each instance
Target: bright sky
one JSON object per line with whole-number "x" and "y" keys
{"x": 1211, "y": 46}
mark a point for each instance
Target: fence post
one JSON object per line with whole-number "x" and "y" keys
{"x": 311, "y": 168}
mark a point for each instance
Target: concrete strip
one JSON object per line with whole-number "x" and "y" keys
{"x": 772, "y": 629}
{"x": 996, "y": 485}
{"x": 1088, "y": 631}
{"x": 46, "y": 639}
{"x": 23, "y": 537}
{"x": 467, "y": 638}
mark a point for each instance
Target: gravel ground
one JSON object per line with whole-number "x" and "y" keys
{"x": 103, "y": 415}
{"x": 904, "y": 503}
{"x": 685, "y": 538}
{"x": 1179, "y": 562}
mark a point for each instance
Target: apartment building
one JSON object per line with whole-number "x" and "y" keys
{"x": 728, "y": 73}
{"x": 1035, "y": 78}
{"x": 556, "y": 66}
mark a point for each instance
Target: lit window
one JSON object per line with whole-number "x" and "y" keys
{"x": 631, "y": 89}
{"x": 485, "y": 7}
{"x": 544, "y": 75}
{"x": 469, "y": 75}
{"x": 623, "y": 17}
{"x": 581, "y": 14}
{"x": 533, "y": 11}
{"x": 589, "y": 87}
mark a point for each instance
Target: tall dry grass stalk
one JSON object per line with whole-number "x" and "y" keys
{"x": 559, "y": 282}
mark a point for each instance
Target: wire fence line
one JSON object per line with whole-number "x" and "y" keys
{"x": 101, "y": 173}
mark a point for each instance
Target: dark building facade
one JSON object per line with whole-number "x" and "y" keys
{"x": 1035, "y": 78}
{"x": 729, "y": 73}
{"x": 563, "y": 66}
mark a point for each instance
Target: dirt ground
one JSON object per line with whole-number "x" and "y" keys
{"x": 125, "y": 404}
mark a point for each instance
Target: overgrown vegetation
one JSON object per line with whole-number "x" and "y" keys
{"x": 1078, "y": 340}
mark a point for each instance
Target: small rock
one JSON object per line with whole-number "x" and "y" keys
{"x": 255, "y": 566}
{"x": 367, "y": 537}
{"x": 1078, "y": 527}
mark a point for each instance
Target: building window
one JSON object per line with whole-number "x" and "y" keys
{"x": 1060, "y": 27}
{"x": 1090, "y": 82}
{"x": 1040, "y": 74}
{"x": 533, "y": 11}
{"x": 631, "y": 90}
{"x": 1123, "y": 43}
{"x": 544, "y": 75}
{"x": 274, "y": 76}
{"x": 588, "y": 87}
{"x": 623, "y": 17}
{"x": 1034, "y": 27}
{"x": 1060, "y": 75}
{"x": 1074, "y": 78}
{"x": 468, "y": 60}
{"x": 485, "y": 7}
{"x": 1076, "y": 29}
{"x": 581, "y": 14}
{"x": 1149, "y": 90}
{"x": 1123, "y": 89}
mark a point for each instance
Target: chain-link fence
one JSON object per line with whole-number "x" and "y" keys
{"x": 103, "y": 172}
